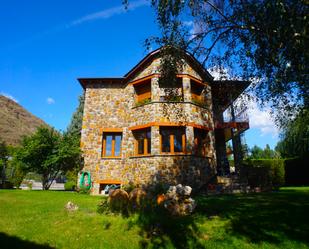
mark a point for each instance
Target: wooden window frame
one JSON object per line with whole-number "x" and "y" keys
{"x": 144, "y": 131}
{"x": 172, "y": 140}
{"x": 198, "y": 145}
{"x": 113, "y": 133}
{"x": 195, "y": 96}
{"x": 139, "y": 97}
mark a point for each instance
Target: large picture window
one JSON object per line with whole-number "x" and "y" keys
{"x": 173, "y": 139}
{"x": 112, "y": 144}
{"x": 142, "y": 141}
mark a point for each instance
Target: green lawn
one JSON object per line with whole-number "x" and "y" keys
{"x": 37, "y": 219}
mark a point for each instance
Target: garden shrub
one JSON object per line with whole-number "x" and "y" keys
{"x": 264, "y": 173}
{"x": 137, "y": 199}
{"x": 103, "y": 207}
{"x": 83, "y": 190}
{"x": 297, "y": 171}
{"x": 70, "y": 186}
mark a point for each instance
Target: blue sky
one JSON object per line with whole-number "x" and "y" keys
{"x": 46, "y": 45}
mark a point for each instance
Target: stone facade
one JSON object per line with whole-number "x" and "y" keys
{"x": 111, "y": 106}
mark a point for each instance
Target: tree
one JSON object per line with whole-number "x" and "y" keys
{"x": 259, "y": 153}
{"x": 75, "y": 125}
{"x": 3, "y": 160}
{"x": 74, "y": 132}
{"x": 295, "y": 138}
{"x": 266, "y": 40}
{"x": 47, "y": 152}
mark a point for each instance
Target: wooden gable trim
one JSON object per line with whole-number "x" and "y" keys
{"x": 141, "y": 80}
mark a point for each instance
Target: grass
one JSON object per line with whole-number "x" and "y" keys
{"x": 37, "y": 219}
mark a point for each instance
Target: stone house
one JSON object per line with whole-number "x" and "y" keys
{"x": 133, "y": 132}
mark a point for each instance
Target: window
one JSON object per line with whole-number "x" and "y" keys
{"x": 173, "y": 139}
{"x": 143, "y": 91}
{"x": 142, "y": 141}
{"x": 112, "y": 144}
{"x": 196, "y": 91}
{"x": 201, "y": 142}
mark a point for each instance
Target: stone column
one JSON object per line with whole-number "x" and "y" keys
{"x": 186, "y": 86}
{"x": 155, "y": 90}
{"x": 155, "y": 140}
{"x": 189, "y": 139}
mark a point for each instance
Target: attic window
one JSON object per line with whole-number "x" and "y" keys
{"x": 143, "y": 91}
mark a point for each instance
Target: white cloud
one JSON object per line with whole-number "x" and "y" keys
{"x": 262, "y": 120}
{"x": 107, "y": 13}
{"x": 50, "y": 101}
{"x": 9, "y": 96}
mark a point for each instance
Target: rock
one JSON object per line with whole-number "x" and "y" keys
{"x": 70, "y": 206}
{"x": 177, "y": 200}
{"x": 137, "y": 198}
{"x": 187, "y": 190}
{"x": 118, "y": 200}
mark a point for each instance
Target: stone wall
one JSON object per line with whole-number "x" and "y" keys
{"x": 112, "y": 105}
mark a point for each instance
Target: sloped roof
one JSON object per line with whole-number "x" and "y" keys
{"x": 196, "y": 65}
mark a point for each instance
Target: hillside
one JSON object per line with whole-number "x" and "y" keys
{"x": 16, "y": 121}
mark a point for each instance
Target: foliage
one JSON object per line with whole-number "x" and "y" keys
{"x": 3, "y": 159}
{"x": 48, "y": 153}
{"x": 84, "y": 190}
{"x": 265, "y": 40}
{"x": 297, "y": 171}
{"x": 258, "y": 153}
{"x": 143, "y": 102}
{"x": 103, "y": 207}
{"x": 75, "y": 126}
{"x": 70, "y": 186}
{"x": 295, "y": 138}
{"x": 264, "y": 173}
{"x": 15, "y": 170}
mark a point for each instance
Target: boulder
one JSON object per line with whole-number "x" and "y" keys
{"x": 118, "y": 200}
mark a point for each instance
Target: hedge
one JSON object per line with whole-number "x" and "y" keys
{"x": 263, "y": 173}
{"x": 297, "y": 171}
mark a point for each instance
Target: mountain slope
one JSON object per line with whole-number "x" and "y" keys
{"x": 15, "y": 121}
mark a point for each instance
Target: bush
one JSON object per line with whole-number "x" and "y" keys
{"x": 297, "y": 171}
{"x": 84, "y": 190}
{"x": 264, "y": 173}
{"x": 103, "y": 207}
{"x": 118, "y": 201}
{"x": 70, "y": 186}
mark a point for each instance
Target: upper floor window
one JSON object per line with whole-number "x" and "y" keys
{"x": 112, "y": 144}
{"x": 173, "y": 139}
{"x": 143, "y": 92}
{"x": 142, "y": 141}
{"x": 196, "y": 92}
{"x": 201, "y": 142}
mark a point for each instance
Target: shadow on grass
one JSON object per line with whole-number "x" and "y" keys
{"x": 265, "y": 217}
{"x": 9, "y": 242}
{"x": 274, "y": 218}
{"x": 161, "y": 230}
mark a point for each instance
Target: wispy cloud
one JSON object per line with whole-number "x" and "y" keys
{"x": 103, "y": 14}
{"x": 9, "y": 96}
{"x": 50, "y": 101}
{"x": 107, "y": 13}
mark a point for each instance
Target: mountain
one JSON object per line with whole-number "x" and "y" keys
{"x": 16, "y": 121}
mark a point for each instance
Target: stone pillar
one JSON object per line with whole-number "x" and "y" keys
{"x": 189, "y": 139}
{"x": 223, "y": 167}
{"x": 155, "y": 90}
{"x": 186, "y": 86}
{"x": 155, "y": 140}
